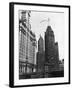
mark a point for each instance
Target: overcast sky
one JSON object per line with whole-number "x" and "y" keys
{"x": 56, "y": 22}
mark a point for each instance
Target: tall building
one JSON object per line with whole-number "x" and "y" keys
{"x": 40, "y": 44}
{"x": 51, "y": 51}
{"x": 27, "y": 44}
{"x": 40, "y": 55}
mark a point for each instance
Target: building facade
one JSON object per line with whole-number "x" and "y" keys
{"x": 40, "y": 55}
{"x": 27, "y": 44}
{"x": 51, "y": 51}
{"x": 61, "y": 65}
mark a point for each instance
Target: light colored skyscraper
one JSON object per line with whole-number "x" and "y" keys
{"x": 27, "y": 44}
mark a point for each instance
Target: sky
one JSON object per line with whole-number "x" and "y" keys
{"x": 56, "y": 22}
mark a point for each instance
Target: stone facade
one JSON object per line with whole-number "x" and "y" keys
{"x": 51, "y": 50}
{"x": 27, "y": 44}
{"x": 40, "y": 55}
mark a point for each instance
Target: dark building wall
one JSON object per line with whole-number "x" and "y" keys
{"x": 40, "y": 45}
{"x": 49, "y": 44}
{"x": 51, "y": 50}
{"x": 40, "y": 61}
{"x": 56, "y": 56}
{"x": 40, "y": 55}
{"x": 57, "y": 51}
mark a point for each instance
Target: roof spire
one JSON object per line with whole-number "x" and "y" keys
{"x": 48, "y": 21}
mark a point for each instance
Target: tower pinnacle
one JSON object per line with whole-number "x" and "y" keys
{"x": 48, "y": 21}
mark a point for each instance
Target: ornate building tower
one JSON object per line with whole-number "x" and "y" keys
{"x": 49, "y": 43}
{"x": 27, "y": 44}
{"x": 51, "y": 50}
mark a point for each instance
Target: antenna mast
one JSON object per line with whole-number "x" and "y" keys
{"x": 48, "y": 21}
